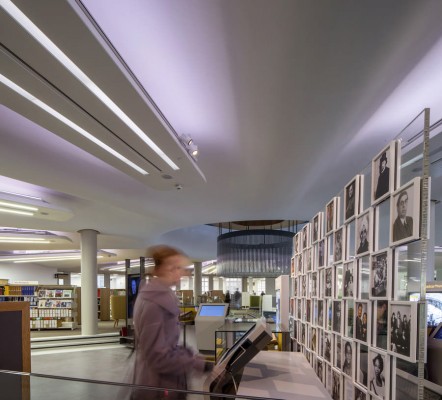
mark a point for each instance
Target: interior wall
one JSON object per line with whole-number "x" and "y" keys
{"x": 28, "y": 272}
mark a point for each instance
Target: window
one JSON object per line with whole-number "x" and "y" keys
{"x": 231, "y": 284}
{"x": 205, "y": 284}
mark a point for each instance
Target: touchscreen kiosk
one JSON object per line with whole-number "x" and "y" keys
{"x": 209, "y": 318}
{"x": 226, "y": 375}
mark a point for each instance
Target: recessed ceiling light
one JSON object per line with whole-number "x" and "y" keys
{"x": 68, "y": 122}
{"x": 9, "y": 211}
{"x": 49, "y": 45}
{"x": 18, "y": 206}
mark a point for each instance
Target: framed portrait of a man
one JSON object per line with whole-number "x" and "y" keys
{"x": 332, "y": 215}
{"x": 296, "y": 243}
{"x": 338, "y": 245}
{"x": 337, "y": 353}
{"x": 362, "y": 321}
{"x": 362, "y": 367}
{"x": 351, "y": 198}
{"x": 364, "y": 236}
{"x": 405, "y": 213}
{"x": 328, "y": 289}
{"x": 349, "y": 280}
{"x": 305, "y": 235}
{"x": 381, "y": 324}
{"x": 317, "y": 227}
{"x": 320, "y": 368}
{"x": 338, "y": 316}
{"x": 378, "y": 374}
{"x": 384, "y": 172}
{"x": 402, "y": 329}
{"x": 336, "y": 384}
{"x": 380, "y": 275}
{"x": 322, "y": 253}
{"x": 328, "y": 353}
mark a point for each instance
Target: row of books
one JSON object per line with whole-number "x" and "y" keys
{"x": 50, "y": 313}
{"x": 8, "y": 290}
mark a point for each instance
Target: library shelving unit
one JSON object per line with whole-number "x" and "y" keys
{"x": 56, "y": 308}
{"x": 50, "y": 306}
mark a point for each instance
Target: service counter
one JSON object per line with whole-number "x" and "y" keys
{"x": 281, "y": 375}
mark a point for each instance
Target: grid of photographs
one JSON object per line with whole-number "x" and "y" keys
{"x": 345, "y": 312}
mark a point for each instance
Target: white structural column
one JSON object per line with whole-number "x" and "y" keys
{"x": 107, "y": 280}
{"x": 211, "y": 282}
{"x": 197, "y": 280}
{"x": 89, "y": 309}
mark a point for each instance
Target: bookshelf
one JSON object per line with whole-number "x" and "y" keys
{"x": 50, "y": 306}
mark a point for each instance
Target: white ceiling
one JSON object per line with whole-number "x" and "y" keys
{"x": 287, "y": 100}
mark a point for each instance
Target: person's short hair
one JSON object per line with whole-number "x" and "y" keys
{"x": 381, "y": 361}
{"x": 401, "y": 194}
{"x": 160, "y": 252}
{"x": 383, "y": 157}
{"x": 347, "y": 344}
{"x": 360, "y": 305}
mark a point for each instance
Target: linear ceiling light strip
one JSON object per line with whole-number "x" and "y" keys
{"x": 47, "y": 43}
{"x": 68, "y": 122}
{"x": 10, "y": 211}
{"x": 19, "y": 206}
{"x": 24, "y": 241}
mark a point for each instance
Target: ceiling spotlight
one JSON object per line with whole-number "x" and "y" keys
{"x": 193, "y": 149}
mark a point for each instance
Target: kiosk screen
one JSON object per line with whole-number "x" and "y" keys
{"x": 212, "y": 311}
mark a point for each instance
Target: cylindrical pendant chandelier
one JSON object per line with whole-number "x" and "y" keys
{"x": 258, "y": 253}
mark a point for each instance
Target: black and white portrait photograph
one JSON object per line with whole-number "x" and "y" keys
{"x": 328, "y": 282}
{"x": 299, "y": 265}
{"x": 317, "y": 223}
{"x": 307, "y": 259}
{"x": 362, "y": 326}
{"x": 303, "y": 285}
{"x": 303, "y": 334}
{"x": 313, "y": 340}
{"x": 337, "y": 316}
{"x": 314, "y": 285}
{"x": 360, "y": 393}
{"x": 299, "y": 308}
{"x": 383, "y": 172}
{"x": 328, "y": 337}
{"x": 321, "y": 253}
{"x": 403, "y": 329}
{"x": 336, "y": 385}
{"x": 328, "y": 378}
{"x": 320, "y": 342}
{"x": 380, "y": 275}
{"x": 329, "y": 322}
{"x": 338, "y": 245}
{"x": 349, "y": 284}
{"x": 349, "y": 318}
{"x": 363, "y": 233}
{"x": 320, "y": 369}
{"x": 362, "y": 368}
{"x": 308, "y": 310}
{"x": 337, "y": 341}
{"x": 348, "y": 358}
{"x": 378, "y": 374}
{"x": 381, "y": 328}
{"x": 351, "y": 198}
{"x": 321, "y": 313}
{"x": 405, "y": 213}
{"x": 331, "y": 215}
{"x": 305, "y": 236}
{"x": 296, "y": 241}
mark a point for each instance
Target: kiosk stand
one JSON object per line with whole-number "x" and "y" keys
{"x": 210, "y": 316}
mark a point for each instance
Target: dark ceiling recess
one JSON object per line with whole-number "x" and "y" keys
{"x": 272, "y": 224}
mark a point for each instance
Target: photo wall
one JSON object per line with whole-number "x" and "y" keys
{"x": 345, "y": 312}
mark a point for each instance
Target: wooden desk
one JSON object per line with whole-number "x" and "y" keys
{"x": 281, "y": 375}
